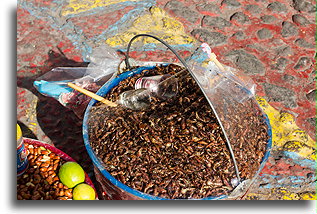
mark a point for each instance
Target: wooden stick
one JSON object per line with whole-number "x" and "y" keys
{"x": 92, "y": 95}
{"x": 213, "y": 58}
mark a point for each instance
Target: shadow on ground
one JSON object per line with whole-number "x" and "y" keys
{"x": 59, "y": 123}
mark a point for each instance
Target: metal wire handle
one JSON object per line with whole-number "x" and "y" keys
{"x": 160, "y": 40}
{"x": 190, "y": 71}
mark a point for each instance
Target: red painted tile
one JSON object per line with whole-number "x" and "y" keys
{"x": 95, "y": 24}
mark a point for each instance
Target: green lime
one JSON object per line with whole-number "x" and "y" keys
{"x": 71, "y": 174}
{"x": 84, "y": 192}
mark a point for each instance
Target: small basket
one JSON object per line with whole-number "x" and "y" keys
{"x": 61, "y": 154}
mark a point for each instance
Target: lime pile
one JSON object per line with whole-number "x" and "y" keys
{"x": 72, "y": 175}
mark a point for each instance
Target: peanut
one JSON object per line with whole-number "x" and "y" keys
{"x": 45, "y": 165}
{"x": 69, "y": 193}
{"x": 43, "y": 169}
{"x": 44, "y": 152}
{"x": 40, "y": 181}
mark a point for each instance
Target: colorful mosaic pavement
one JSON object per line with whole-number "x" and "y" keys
{"x": 271, "y": 41}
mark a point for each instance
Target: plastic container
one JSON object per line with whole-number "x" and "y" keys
{"x": 161, "y": 86}
{"x": 138, "y": 99}
{"x": 22, "y": 161}
{"x": 114, "y": 189}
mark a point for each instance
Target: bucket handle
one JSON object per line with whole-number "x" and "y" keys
{"x": 158, "y": 39}
{"x": 128, "y": 66}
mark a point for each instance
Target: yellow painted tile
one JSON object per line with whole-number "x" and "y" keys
{"x": 284, "y": 194}
{"x": 286, "y": 134}
{"x": 307, "y": 196}
{"x": 78, "y": 6}
{"x": 252, "y": 196}
{"x": 157, "y": 23}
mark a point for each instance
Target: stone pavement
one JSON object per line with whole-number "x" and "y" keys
{"x": 271, "y": 41}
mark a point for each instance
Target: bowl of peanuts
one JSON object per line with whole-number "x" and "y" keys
{"x": 40, "y": 181}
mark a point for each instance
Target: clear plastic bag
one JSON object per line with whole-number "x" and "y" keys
{"x": 104, "y": 63}
{"x": 231, "y": 95}
{"x": 102, "y": 58}
{"x": 238, "y": 86}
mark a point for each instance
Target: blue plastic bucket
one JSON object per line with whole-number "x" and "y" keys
{"x": 113, "y": 188}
